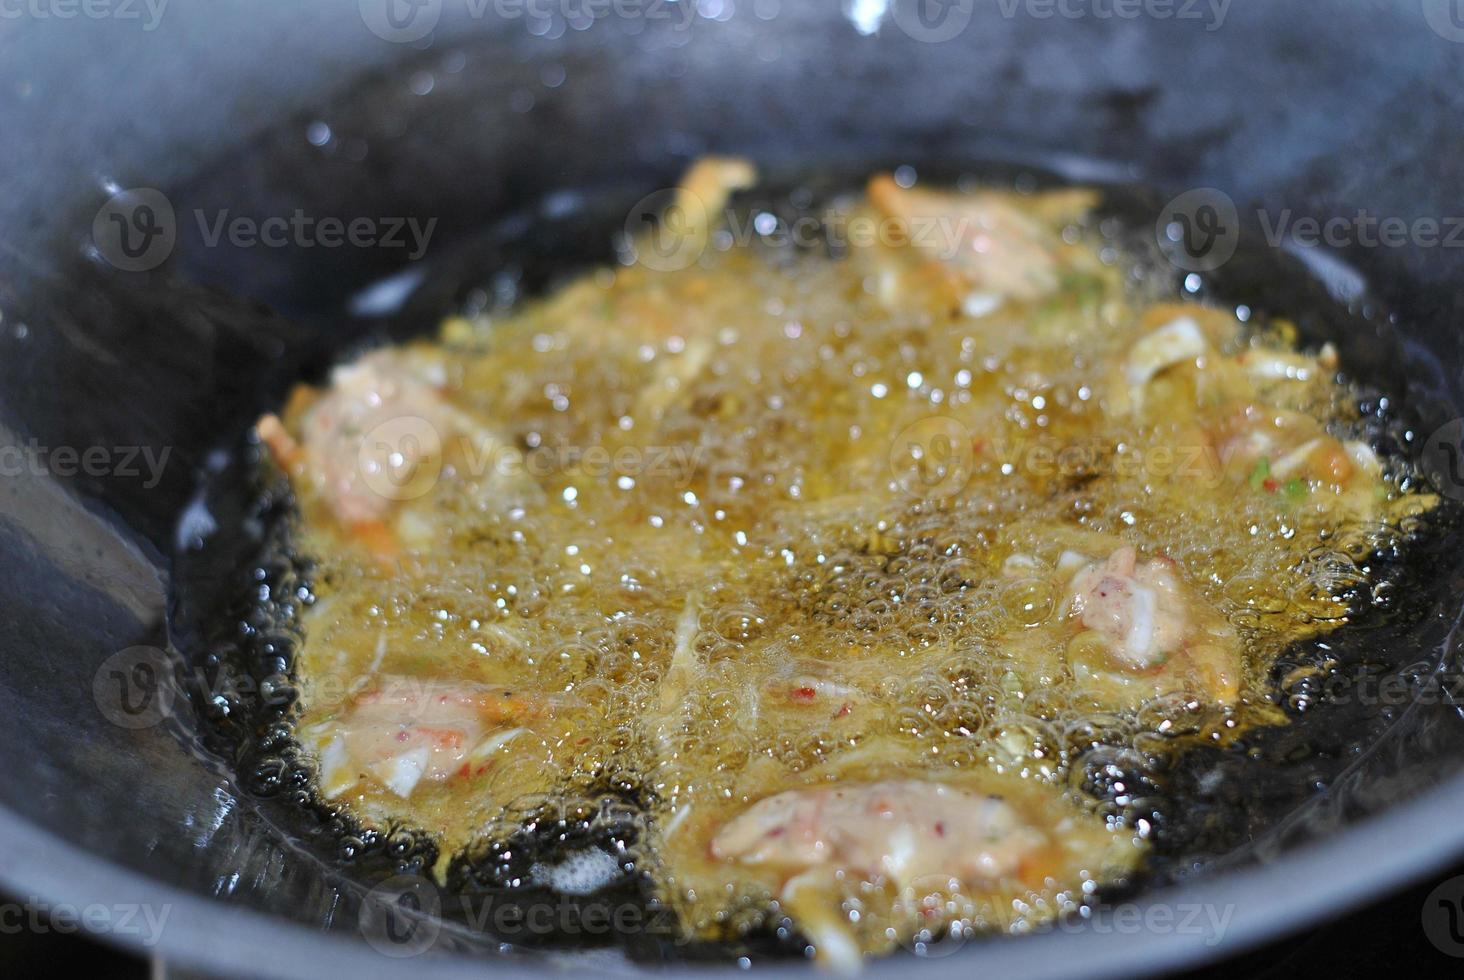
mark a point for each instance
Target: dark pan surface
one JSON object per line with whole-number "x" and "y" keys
{"x": 1339, "y": 108}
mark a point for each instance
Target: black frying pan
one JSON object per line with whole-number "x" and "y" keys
{"x": 528, "y": 139}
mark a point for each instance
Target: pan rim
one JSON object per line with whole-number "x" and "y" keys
{"x": 1325, "y": 877}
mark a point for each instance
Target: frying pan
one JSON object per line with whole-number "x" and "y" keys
{"x": 510, "y": 125}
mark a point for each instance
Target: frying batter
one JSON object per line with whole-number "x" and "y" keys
{"x": 829, "y": 555}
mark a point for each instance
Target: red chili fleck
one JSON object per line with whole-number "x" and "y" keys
{"x": 1271, "y": 485}
{"x": 804, "y": 694}
{"x": 844, "y": 710}
{"x": 939, "y": 829}
{"x": 443, "y": 738}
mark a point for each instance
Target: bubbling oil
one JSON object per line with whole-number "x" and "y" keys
{"x": 753, "y": 524}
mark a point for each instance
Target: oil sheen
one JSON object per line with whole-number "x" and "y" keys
{"x": 843, "y": 557}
